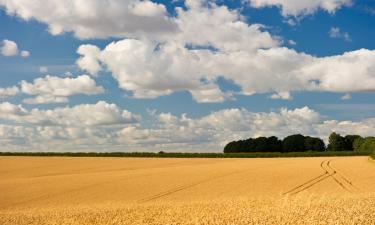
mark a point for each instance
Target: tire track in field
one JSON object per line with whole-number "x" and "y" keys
{"x": 187, "y": 186}
{"x": 343, "y": 178}
{"x": 183, "y": 187}
{"x": 329, "y": 171}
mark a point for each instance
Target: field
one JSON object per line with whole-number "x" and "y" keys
{"x": 84, "y": 190}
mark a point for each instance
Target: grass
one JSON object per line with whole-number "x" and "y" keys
{"x": 189, "y": 155}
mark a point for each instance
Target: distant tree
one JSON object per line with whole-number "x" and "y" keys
{"x": 274, "y": 144}
{"x": 294, "y": 143}
{"x": 260, "y": 144}
{"x": 314, "y": 144}
{"x": 337, "y": 143}
{"x": 231, "y": 147}
{"x": 364, "y": 144}
{"x": 350, "y": 139}
{"x": 357, "y": 144}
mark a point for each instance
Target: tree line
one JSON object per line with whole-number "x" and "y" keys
{"x": 301, "y": 143}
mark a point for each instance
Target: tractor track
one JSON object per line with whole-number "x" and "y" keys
{"x": 329, "y": 171}
{"x": 183, "y": 187}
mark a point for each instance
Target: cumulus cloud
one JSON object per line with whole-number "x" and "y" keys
{"x": 95, "y": 18}
{"x": 335, "y": 32}
{"x": 226, "y": 47}
{"x": 149, "y": 73}
{"x": 10, "y": 48}
{"x": 213, "y": 131}
{"x": 24, "y": 54}
{"x": 301, "y": 7}
{"x": 53, "y": 89}
{"x": 282, "y": 95}
{"x": 105, "y": 126}
{"x": 98, "y": 114}
{"x": 9, "y": 91}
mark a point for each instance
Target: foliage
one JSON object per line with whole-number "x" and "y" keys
{"x": 314, "y": 144}
{"x": 364, "y": 144}
{"x": 260, "y": 144}
{"x": 337, "y": 143}
{"x": 294, "y": 143}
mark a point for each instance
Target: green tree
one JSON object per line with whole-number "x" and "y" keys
{"x": 365, "y": 144}
{"x": 337, "y": 143}
{"x": 294, "y": 143}
{"x": 350, "y": 139}
{"x": 314, "y": 144}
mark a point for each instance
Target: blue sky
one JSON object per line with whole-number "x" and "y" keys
{"x": 318, "y": 33}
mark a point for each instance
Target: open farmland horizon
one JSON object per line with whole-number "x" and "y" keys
{"x": 169, "y": 112}
{"x": 66, "y": 190}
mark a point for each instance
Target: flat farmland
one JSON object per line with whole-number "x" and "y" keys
{"x": 83, "y": 190}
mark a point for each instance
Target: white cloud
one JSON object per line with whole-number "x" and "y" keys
{"x": 25, "y": 54}
{"x": 335, "y": 32}
{"x": 346, "y": 97}
{"x": 98, "y": 114}
{"x": 45, "y": 99}
{"x": 226, "y": 47}
{"x": 9, "y": 48}
{"x": 148, "y": 73}
{"x": 105, "y": 126}
{"x": 9, "y": 91}
{"x": 52, "y": 89}
{"x": 292, "y": 42}
{"x": 89, "y": 60}
{"x": 95, "y": 18}
{"x": 301, "y": 7}
{"x": 43, "y": 69}
{"x": 282, "y": 95}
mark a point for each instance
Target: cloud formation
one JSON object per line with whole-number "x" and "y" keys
{"x": 98, "y": 114}
{"x": 10, "y": 48}
{"x": 95, "y": 18}
{"x": 9, "y": 91}
{"x": 301, "y": 7}
{"x": 53, "y": 89}
{"x": 104, "y": 126}
{"x": 335, "y": 32}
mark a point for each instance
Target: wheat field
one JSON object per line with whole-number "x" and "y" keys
{"x": 68, "y": 190}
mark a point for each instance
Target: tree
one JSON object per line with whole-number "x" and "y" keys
{"x": 294, "y": 143}
{"x": 365, "y": 144}
{"x": 337, "y": 143}
{"x": 314, "y": 144}
{"x": 350, "y": 139}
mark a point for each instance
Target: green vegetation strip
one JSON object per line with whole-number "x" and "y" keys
{"x": 190, "y": 155}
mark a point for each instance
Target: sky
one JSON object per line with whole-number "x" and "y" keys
{"x": 182, "y": 75}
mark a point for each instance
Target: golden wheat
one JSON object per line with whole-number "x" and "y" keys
{"x": 63, "y": 190}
